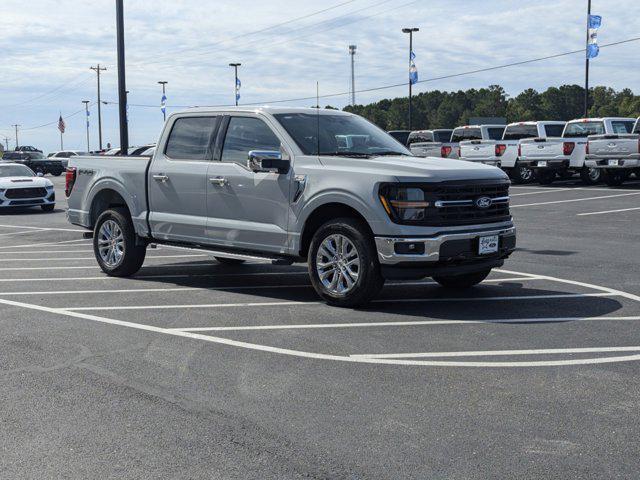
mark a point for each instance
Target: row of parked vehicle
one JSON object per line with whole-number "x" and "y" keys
{"x": 598, "y": 149}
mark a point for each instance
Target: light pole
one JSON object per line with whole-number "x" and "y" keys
{"x": 122, "y": 84}
{"x": 86, "y": 109}
{"x": 163, "y": 102}
{"x": 352, "y": 52}
{"x": 16, "y": 127}
{"x": 235, "y": 68}
{"x": 586, "y": 68}
{"x": 410, "y": 32}
{"x": 99, "y": 69}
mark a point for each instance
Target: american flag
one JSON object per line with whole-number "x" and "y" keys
{"x": 61, "y": 125}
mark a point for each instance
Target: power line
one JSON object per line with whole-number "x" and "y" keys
{"x": 75, "y": 81}
{"x": 55, "y": 122}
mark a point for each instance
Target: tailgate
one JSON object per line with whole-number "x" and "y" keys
{"x": 541, "y": 148}
{"x": 478, "y": 149}
{"x": 613, "y": 146}
{"x": 426, "y": 149}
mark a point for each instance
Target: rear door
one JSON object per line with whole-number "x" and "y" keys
{"x": 177, "y": 180}
{"x": 247, "y": 210}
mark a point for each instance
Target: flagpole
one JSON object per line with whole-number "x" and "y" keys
{"x": 61, "y": 142}
{"x": 586, "y": 69}
{"x": 410, "y": 32}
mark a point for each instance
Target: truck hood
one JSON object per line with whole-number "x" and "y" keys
{"x": 24, "y": 182}
{"x": 419, "y": 169}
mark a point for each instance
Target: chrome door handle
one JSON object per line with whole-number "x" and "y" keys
{"x": 161, "y": 178}
{"x": 220, "y": 181}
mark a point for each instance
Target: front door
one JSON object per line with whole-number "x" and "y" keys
{"x": 247, "y": 210}
{"x": 178, "y": 181}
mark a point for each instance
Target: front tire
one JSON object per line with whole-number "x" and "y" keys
{"x": 467, "y": 280}
{"x": 343, "y": 263}
{"x": 114, "y": 244}
{"x": 590, "y": 176}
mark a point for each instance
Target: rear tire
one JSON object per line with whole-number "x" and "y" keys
{"x": 48, "y": 208}
{"x": 521, "y": 175}
{"x": 229, "y": 261}
{"x": 545, "y": 177}
{"x": 590, "y": 176}
{"x": 467, "y": 280}
{"x": 343, "y": 263}
{"x": 614, "y": 178}
{"x": 114, "y": 244}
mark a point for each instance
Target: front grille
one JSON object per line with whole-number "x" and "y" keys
{"x": 468, "y": 213}
{"x": 26, "y": 202}
{"x": 26, "y": 193}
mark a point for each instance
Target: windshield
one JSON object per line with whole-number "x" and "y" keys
{"x": 340, "y": 135}
{"x": 518, "y": 132}
{"x": 442, "y": 135}
{"x": 15, "y": 171}
{"x": 583, "y": 129}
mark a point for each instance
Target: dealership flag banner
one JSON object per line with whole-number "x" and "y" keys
{"x": 163, "y": 104}
{"x": 413, "y": 70}
{"x": 238, "y": 85}
{"x": 592, "y": 43}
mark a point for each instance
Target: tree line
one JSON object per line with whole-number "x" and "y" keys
{"x": 438, "y": 109}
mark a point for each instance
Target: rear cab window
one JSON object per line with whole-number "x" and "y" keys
{"x": 518, "y": 132}
{"x": 621, "y": 126}
{"x": 495, "y": 133}
{"x": 461, "y": 134}
{"x": 553, "y": 130}
{"x": 583, "y": 129}
{"x": 420, "y": 137}
{"x": 442, "y": 135}
{"x": 191, "y": 138}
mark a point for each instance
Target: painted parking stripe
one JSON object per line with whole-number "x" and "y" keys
{"x": 63, "y": 259}
{"x": 294, "y": 303}
{"x": 44, "y": 228}
{"x": 609, "y": 211}
{"x": 495, "y": 353}
{"x": 77, "y": 241}
{"x": 15, "y": 233}
{"x": 539, "y": 192}
{"x": 575, "y": 200}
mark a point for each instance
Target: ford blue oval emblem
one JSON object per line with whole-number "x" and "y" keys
{"x": 483, "y": 202}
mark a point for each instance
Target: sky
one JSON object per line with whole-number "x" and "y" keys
{"x": 285, "y": 47}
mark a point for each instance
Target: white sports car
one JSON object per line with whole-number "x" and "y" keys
{"x": 20, "y": 187}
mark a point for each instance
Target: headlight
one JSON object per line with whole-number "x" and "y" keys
{"x": 404, "y": 204}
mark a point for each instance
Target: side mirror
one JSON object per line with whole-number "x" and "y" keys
{"x": 268, "y": 161}
{"x": 39, "y": 174}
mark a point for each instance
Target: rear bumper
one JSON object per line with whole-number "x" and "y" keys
{"x": 538, "y": 164}
{"x": 487, "y": 161}
{"x": 622, "y": 163}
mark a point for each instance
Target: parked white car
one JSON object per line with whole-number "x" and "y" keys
{"x": 616, "y": 154}
{"x": 478, "y": 143}
{"x": 432, "y": 143}
{"x": 561, "y": 156}
{"x": 20, "y": 187}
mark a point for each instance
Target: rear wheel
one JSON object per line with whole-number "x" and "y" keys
{"x": 614, "y": 178}
{"x": 114, "y": 244}
{"x": 520, "y": 174}
{"x": 545, "y": 177}
{"x": 48, "y": 208}
{"x": 590, "y": 176}
{"x": 229, "y": 261}
{"x": 467, "y": 280}
{"x": 343, "y": 263}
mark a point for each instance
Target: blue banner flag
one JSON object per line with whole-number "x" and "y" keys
{"x": 594, "y": 23}
{"x": 163, "y": 104}
{"x": 238, "y": 85}
{"x": 413, "y": 70}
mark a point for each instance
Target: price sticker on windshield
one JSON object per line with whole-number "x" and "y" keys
{"x": 487, "y": 245}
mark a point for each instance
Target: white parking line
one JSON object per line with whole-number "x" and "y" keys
{"x": 492, "y": 353}
{"x": 544, "y": 191}
{"x": 575, "y": 200}
{"x": 44, "y": 228}
{"x": 293, "y": 303}
{"x": 46, "y": 243}
{"x": 15, "y": 233}
{"x": 609, "y": 211}
{"x": 63, "y": 259}
{"x": 149, "y": 277}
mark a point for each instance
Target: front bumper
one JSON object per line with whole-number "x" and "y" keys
{"x": 49, "y": 199}
{"x": 448, "y": 247}
{"x": 621, "y": 163}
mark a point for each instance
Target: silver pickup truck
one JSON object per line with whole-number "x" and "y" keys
{"x": 566, "y": 155}
{"x": 616, "y": 154}
{"x": 296, "y": 185}
{"x": 432, "y": 143}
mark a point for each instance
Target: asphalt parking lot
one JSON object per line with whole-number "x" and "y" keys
{"x": 198, "y": 370}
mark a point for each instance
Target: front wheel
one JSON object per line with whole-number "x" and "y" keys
{"x": 590, "y": 176}
{"x": 614, "y": 178}
{"x": 343, "y": 263}
{"x": 545, "y": 177}
{"x": 114, "y": 244}
{"x": 462, "y": 281}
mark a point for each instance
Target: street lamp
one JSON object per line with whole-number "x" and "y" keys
{"x": 86, "y": 109}
{"x": 235, "y": 67}
{"x": 410, "y": 32}
{"x": 352, "y": 52}
{"x": 163, "y": 102}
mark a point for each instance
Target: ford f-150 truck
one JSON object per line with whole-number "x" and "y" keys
{"x": 478, "y": 143}
{"x": 294, "y": 185}
{"x": 617, "y": 154}
{"x": 432, "y": 143}
{"x": 566, "y": 155}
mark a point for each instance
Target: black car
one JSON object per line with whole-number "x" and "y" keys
{"x": 400, "y": 135}
{"x": 27, "y": 148}
{"x": 36, "y": 161}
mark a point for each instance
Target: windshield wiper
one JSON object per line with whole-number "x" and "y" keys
{"x": 383, "y": 154}
{"x": 345, "y": 154}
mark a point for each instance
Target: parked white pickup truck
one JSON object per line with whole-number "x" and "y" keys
{"x": 564, "y": 156}
{"x": 478, "y": 143}
{"x": 506, "y": 152}
{"x": 616, "y": 154}
{"x": 432, "y": 143}
{"x": 296, "y": 185}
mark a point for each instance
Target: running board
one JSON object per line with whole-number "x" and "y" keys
{"x": 216, "y": 252}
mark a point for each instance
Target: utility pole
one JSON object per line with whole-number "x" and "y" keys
{"x": 352, "y": 52}
{"x": 86, "y": 109}
{"x": 99, "y": 69}
{"x": 6, "y": 141}
{"x": 235, "y": 67}
{"x": 586, "y": 69}
{"x": 410, "y": 32}
{"x": 122, "y": 86}
{"x": 16, "y": 127}
{"x": 163, "y": 103}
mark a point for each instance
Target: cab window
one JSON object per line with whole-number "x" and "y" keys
{"x": 245, "y": 134}
{"x": 191, "y": 138}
